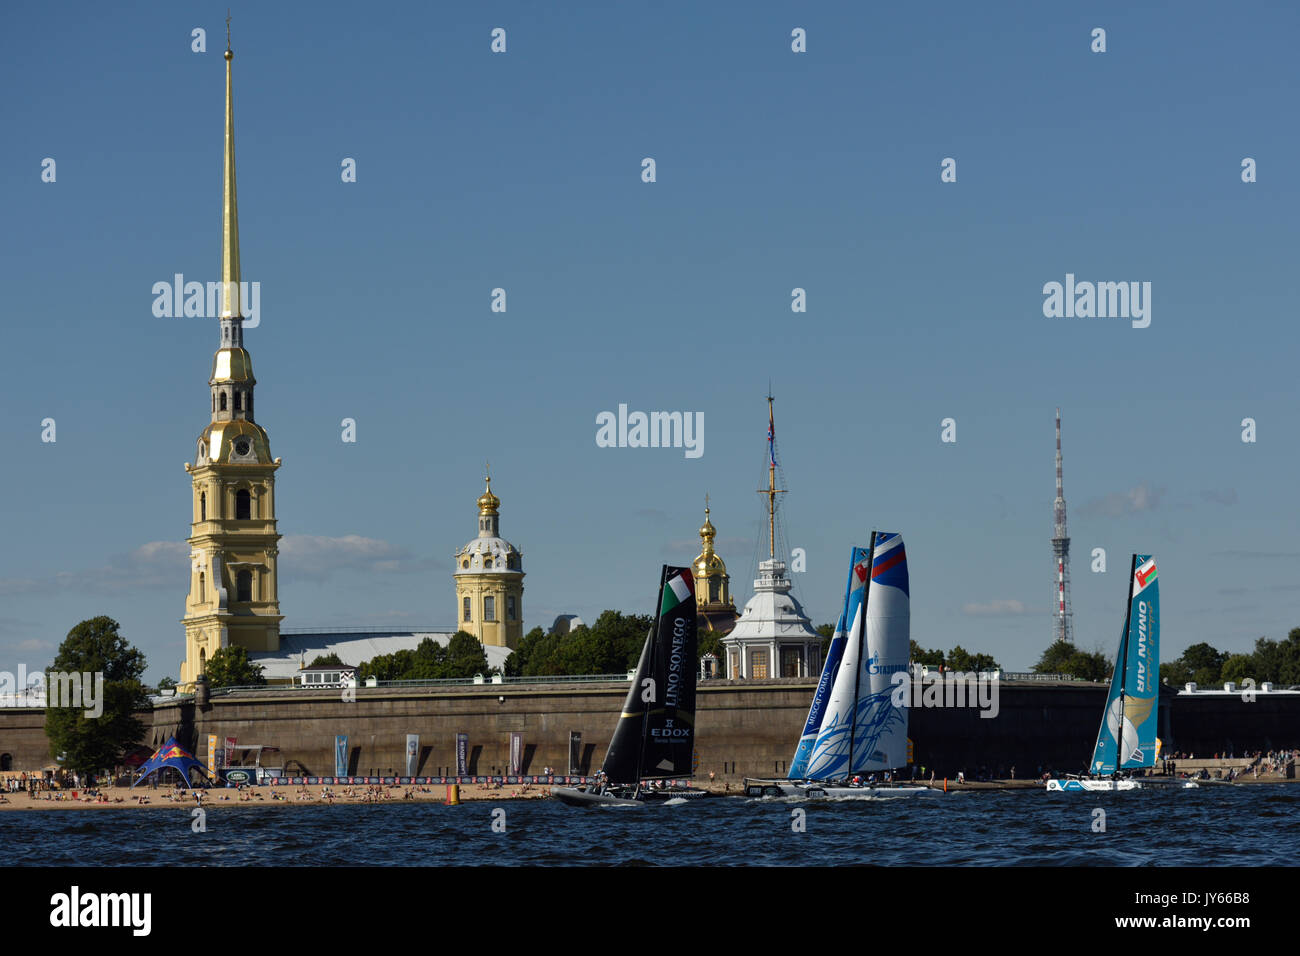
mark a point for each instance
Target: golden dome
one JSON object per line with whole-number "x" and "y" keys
{"x": 488, "y": 502}
{"x": 239, "y": 441}
{"x": 231, "y": 365}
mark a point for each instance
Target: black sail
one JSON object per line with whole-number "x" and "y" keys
{"x": 655, "y": 736}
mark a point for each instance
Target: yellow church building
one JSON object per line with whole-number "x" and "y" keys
{"x": 490, "y": 581}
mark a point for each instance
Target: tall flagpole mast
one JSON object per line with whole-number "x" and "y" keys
{"x": 772, "y": 490}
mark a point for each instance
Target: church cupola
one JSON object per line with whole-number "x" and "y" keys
{"x": 489, "y": 575}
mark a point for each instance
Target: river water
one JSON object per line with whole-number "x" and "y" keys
{"x": 1237, "y": 826}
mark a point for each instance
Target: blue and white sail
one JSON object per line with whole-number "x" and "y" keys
{"x": 862, "y": 729}
{"x": 1127, "y": 737}
{"x": 859, "y": 559}
{"x": 880, "y": 727}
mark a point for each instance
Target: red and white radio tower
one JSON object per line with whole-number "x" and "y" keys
{"x": 1062, "y": 616}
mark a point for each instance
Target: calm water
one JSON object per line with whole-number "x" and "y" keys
{"x": 1216, "y": 826}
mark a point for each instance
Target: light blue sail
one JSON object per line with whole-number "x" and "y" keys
{"x": 834, "y": 656}
{"x": 1127, "y": 736}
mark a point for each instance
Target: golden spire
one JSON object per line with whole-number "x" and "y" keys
{"x": 230, "y": 304}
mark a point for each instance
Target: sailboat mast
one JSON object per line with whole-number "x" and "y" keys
{"x": 862, "y": 648}
{"x": 1123, "y": 663}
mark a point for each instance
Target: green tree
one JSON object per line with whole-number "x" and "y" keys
{"x": 959, "y": 659}
{"x": 465, "y": 656}
{"x": 1237, "y": 668}
{"x": 1268, "y": 660}
{"x": 327, "y": 660}
{"x": 167, "y": 683}
{"x": 1204, "y": 664}
{"x": 514, "y": 666}
{"x": 1175, "y": 673}
{"x": 230, "y": 667}
{"x": 929, "y": 658}
{"x": 1065, "y": 658}
{"x": 826, "y": 630}
{"x": 99, "y": 741}
{"x": 1289, "y": 672}
{"x": 710, "y": 642}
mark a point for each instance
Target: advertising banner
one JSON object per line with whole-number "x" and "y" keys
{"x": 412, "y": 753}
{"x": 575, "y": 751}
{"x": 212, "y": 754}
{"x": 516, "y": 753}
{"x": 462, "y": 754}
{"x": 340, "y": 755}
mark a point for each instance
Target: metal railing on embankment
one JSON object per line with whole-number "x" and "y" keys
{"x": 430, "y": 683}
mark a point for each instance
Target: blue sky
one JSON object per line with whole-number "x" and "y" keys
{"x": 775, "y": 170}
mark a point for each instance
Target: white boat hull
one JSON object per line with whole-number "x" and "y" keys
{"x": 1091, "y": 786}
{"x": 826, "y": 791}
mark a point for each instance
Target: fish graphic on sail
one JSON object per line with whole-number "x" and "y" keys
{"x": 862, "y": 728}
{"x": 859, "y": 561}
{"x": 880, "y": 737}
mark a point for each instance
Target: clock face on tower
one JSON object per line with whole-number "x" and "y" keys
{"x": 242, "y": 447}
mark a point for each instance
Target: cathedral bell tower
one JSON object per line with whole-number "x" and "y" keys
{"x": 233, "y": 596}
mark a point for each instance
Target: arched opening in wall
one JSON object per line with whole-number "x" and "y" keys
{"x": 244, "y": 586}
{"x": 6, "y": 762}
{"x": 510, "y": 607}
{"x": 203, "y": 660}
{"x": 243, "y": 505}
{"x": 467, "y": 613}
{"x": 202, "y": 587}
{"x": 489, "y": 608}
{"x": 203, "y": 506}
{"x": 222, "y": 402}
{"x": 238, "y": 406}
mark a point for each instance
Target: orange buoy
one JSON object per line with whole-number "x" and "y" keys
{"x": 453, "y": 795}
{"x": 945, "y": 784}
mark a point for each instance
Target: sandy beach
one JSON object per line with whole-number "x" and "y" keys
{"x": 118, "y": 798}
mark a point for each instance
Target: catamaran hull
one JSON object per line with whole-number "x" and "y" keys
{"x": 1091, "y": 786}
{"x": 826, "y": 791}
{"x": 581, "y": 797}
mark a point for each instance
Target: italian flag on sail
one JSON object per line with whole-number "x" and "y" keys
{"x": 1145, "y": 575}
{"x": 677, "y": 591}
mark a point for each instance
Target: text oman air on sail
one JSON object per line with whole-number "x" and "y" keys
{"x": 1141, "y": 687}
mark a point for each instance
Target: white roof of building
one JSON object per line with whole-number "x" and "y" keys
{"x": 772, "y": 614}
{"x": 499, "y": 549}
{"x": 299, "y": 650}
